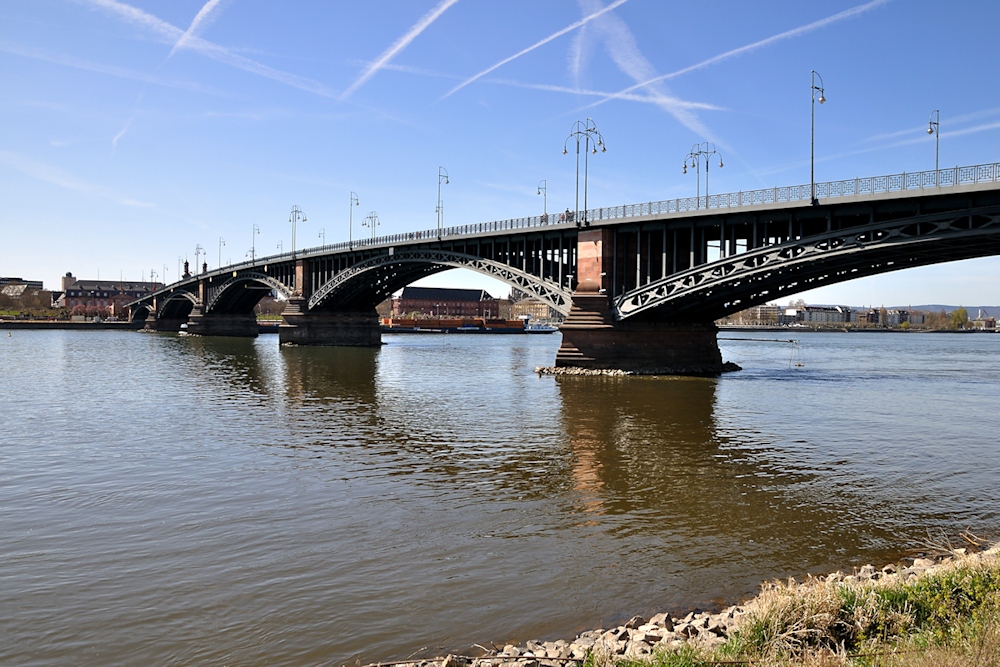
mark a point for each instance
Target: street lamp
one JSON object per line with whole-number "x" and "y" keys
{"x": 180, "y": 260}
{"x": 699, "y": 152}
{"x": 812, "y": 138}
{"x": 253, "y": 243}
{"x": 587, "y": 130}
{"x": 198, "y": 250}
{"x": 350, "y": 220}
{"x": 442, "y": 174}
{"x": 934, "y": 127}
{"x": 544, "y": 191}
{"x": 371, "y": 220}
{"x": 295, "y": 216}
{"x": 280, "y": 247}
{"x": 222, "y": 242}
{"x": 322, "y": 235}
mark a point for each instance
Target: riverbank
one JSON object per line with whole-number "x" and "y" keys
{"x": 70, "y": 325}
{"x": 942, "y": 610}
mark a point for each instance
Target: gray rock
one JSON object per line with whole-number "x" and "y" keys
{"x": 662, "y": 620}
{"x": 635, "y": 622}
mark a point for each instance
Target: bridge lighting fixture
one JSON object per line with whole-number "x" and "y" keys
{"x": 934, "y": 127}
{"x": 371, "y": 220}
{"x": 350, "y": 219}
{"x": 198, "y": 251}
{"x": 295, "y": 216}
{"x": 442, "y": 175}
{"x": 821, "y": 88}
{"x": 253, "y": 241}
{"x": 222, "y": 242}
{"x": 699, "y": 153}
{"x": 585, "y": 130}
{"x": 322, "y": 235}
{"x": 544, "y": 191}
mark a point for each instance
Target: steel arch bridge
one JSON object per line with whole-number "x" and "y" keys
{"x": 621, "y": 269}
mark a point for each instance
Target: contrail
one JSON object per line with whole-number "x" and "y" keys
{"x": 398, "y": 46}
{"x": 574, "y": 26}
{"x": 172, "y": 34}
{"x": 795, "y": 32}
{"x": 199, "y": 18}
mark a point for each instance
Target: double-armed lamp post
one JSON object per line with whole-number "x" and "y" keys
{"x": 584, "y": 131}
{"x": 699, "y": 153}
{"x": 442, "y": 176}
{"x": 350, "y": 219}
{"x": 294, "y": 217}
{"x": 372, "y": 221}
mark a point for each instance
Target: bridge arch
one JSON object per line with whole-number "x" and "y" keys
{"x": 178, "y": 305}
{"x": 710, "y": 291}
{"x": 240, "y": 293}
{"x": 367, "y": 283}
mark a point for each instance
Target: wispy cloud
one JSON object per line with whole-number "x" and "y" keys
{"x": 200, "y": 21}
{"x": 114, "y": 142}
{"x": 109, "y": 70}
{"x": 542, "y": 42}
{"x": 171, "y": 34}
{"x": 398, "y": 46}
{"x": 749, "y": 48}
{"x": 633, "y": 97}
{"x": 59, "y": 177}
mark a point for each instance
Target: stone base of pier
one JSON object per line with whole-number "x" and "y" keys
{"x": 592, "y": 339}
{"x": 242, "y": 325}
{"x": 351, "y": 329}
{"x": 167, "y": 324}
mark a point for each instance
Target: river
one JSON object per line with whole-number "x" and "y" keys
{"x": 178, "y": 500}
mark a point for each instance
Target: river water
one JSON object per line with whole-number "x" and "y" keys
{"x": 177, "y": 500}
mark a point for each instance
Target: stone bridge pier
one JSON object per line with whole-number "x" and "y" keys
{"x": 593, "y": 338}
{"x": 302, "y": 326}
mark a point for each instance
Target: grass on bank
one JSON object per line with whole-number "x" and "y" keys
{"x": 949, "y": 617}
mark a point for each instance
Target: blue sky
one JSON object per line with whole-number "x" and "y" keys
{"x": 130, "y": 132}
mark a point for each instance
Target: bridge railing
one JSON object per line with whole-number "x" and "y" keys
{"x": 907, "y": 181}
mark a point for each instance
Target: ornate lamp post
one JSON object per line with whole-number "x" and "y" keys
{"x": 544, "y": 191}
{"x": 253, "y": 243}
{"x": 694, "y": 159}
{"x": 821, "y": 88}
{"x": 371, "y": 220}
{"x": 442, "y": 175}
{"x": 222, "y": 242}
{"x": 350, "y": 219}
{"x": 588, "y": 132}
{"x": 295, "y": 216}
{"x": 934, "y": 127}
{"x": 198, "y": 250}
{"x": 322, "y": 235}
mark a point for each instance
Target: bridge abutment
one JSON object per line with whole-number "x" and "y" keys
{"x": 593, "y": 339}
{"x": 350, "y": 329}
{"x": 165, "y": 324}
{"x": 242, "y": 325}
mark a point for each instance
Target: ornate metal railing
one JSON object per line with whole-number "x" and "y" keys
{"x": 919, "y": 180}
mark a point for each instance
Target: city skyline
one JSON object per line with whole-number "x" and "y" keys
{"x": 136, "y": 132}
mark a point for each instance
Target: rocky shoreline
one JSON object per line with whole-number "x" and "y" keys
{"x": 639, "y": 638}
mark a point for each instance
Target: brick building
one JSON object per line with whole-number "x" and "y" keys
{"x": 443, "y": 302}
{"x": 103, "y": 296}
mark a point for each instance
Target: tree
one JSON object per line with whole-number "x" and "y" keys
{"x": 958, "y": 318}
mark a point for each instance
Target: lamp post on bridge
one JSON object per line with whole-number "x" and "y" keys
{"x": 544, "y": 191}
{"x": 934, "y": 127}
{"x": 295, "y": 216}
{"x": 322, "y": 235}
{"x": 350, "y": 219}
{"x": 699, "y": 152}
{"x": 371, "y": 220}
{"x": 198, "y": 251}
{"x": 222, "y": 242}
{"x": 164, "y": 274}
{"x": 812, "y": 137}
{"x": 253, "y": 243}
{"x": 442, "y": 174}
{"x": 586, "y": 130}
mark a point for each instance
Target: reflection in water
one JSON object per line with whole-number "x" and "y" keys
{"x": 207, "y": 500}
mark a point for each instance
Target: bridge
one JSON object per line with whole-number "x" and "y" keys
{"x": 641, "y": 285}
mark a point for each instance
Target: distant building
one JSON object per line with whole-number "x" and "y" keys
{"x": 443, "y": 302}
{"x": 103, "y": 296}
{"x": 28, "y": 284}
{"x": 983, "y": 321}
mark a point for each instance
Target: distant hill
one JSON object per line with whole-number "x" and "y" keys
{"x": 992, "y": 311}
